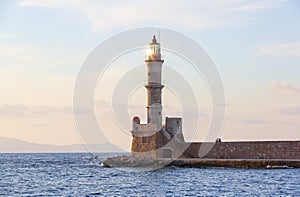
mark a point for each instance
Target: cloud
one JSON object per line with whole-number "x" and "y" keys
{"x": 7, "y": 110}
{"x": 9, "y": 35}
{"x": 15, "y": 111}
{"x": 250, "y": 120}
{"x": 260, "y": 121}
{"x": 285, "y": 50}
{"x": 45, "y": 3}
{"x": 22, "y": 61}
{"x": 48, "y": 109}
{"x": 284, "y": 87}
{"x": 259, "y": 5}
{"x": 21, "y": 53}
{"x": 195, "y": 15}
{"x": 289, "y": 110}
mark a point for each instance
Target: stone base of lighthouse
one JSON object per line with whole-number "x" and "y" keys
{"x": 147, "y": 146}
{"x": 149, "y": 142}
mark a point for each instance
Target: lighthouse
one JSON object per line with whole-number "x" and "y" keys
{"x": 152, "y": 139}
{"x": 154, "y": 87}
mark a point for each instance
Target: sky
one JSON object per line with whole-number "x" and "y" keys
{"x": 255, "y": 46}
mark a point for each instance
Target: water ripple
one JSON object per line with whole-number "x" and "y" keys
{"x": 78, "y": 174}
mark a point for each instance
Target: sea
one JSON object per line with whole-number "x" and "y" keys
{"x": 80, "y": 174}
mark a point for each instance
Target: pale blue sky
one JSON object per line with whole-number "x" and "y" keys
{"x": 255, "y": 45}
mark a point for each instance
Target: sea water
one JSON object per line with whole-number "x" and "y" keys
{"x": 79, "y": 174}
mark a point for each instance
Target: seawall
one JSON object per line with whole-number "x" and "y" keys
{"x": 245, "y": 150}
{"x": 248, "y": 154}
{"x": 128, "y": 161}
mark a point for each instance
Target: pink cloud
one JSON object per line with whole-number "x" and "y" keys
{"x": 289, "y": 110}
{"x": 284, "y": 87}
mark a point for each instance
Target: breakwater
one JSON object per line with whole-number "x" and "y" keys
{"x": 128, "y": 161}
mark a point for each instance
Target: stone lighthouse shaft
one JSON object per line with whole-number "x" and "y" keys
{"x": 154, "y": 86}
{"x": 149, "y": 139}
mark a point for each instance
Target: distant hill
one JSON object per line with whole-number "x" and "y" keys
{"x": 11, "y": 145}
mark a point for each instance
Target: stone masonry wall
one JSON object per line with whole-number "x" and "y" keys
{"x": 147, "y": 146}
{"x": 248, "y": 150}
{"x": 143, "y": 146}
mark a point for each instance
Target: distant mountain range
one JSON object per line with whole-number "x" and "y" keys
{"x": 11, "y": 145}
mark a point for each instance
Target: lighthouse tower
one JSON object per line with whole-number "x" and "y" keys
{"x": 150, "y": 140}
{"x": 154, "y": 86}
{"x": 147, "y": 138}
